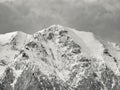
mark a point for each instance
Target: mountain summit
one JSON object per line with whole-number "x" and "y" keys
{"x": 58, "y": 58}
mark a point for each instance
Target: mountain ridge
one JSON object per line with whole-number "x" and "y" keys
{"x": 58, "y": 58}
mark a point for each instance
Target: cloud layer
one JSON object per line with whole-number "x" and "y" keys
{"x": 99, "y": 16}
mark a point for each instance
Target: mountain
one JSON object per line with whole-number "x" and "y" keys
{"x": 58, "y": 58}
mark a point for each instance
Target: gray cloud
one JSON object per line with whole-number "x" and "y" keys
{"x": 99, "y": 16}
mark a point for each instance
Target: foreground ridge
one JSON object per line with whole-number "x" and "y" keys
{"x": 58, "y": 58}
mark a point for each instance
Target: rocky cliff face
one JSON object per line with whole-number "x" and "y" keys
{"x": 58, "y": 58}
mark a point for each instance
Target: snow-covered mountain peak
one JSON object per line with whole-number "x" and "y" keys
{"x": 89, "y": 44}
{"x": 8, "y": 37}
{"x": 11, "y": 44}
{"x": 58, "y": 58}
{"x": 5, "y": 38}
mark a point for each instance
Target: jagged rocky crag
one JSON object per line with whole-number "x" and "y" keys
{"x": 58, "y": 58}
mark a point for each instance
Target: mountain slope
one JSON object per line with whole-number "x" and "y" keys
{"x": 58, "y": 58}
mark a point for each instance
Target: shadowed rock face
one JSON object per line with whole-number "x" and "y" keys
{"x": 58, "y": 58}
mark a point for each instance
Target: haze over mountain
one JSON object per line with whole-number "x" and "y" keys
{"x": 99, "y": 16}
{"x": 58, "y": 58}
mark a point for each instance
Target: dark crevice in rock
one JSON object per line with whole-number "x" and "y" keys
{"x": 3, "y": 63}
{"x": 106, "y": 51}
{"x": 24, "y": 55}
{"x": 63, "y": 32}
{"x": 50, "y": 36}
{"x": 52, "y": 54}
{"x": 31, "y": 44}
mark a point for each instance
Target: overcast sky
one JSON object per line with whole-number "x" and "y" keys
{"x": 101, "y": 17}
